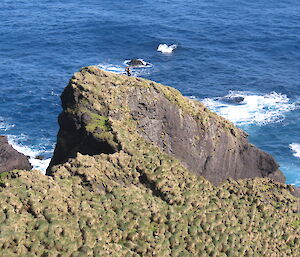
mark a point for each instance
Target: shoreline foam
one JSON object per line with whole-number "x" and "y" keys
{"x": 254, "y": 109}
{"x": 32, "y": 153}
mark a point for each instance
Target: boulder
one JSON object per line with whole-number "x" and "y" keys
{"x": 10, "y": 158}
{"x": 233, "y": 99}
{"x": 136, "y": 62}
{"x": 99, "y": 107}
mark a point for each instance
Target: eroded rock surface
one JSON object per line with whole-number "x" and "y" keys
{"x": 99, "y": 106}
{"x": 10, "y": 158}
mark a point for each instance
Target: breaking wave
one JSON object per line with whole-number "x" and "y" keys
{"x": 120, "y": 69}
{"x": 4, "y": 126}
{"x": 32, "y": 153}
{"x": 165, "y": 49}
{"x": 296, "y": 149}
{"x": 247, "y": 108}
{"x": 112, "y": 68}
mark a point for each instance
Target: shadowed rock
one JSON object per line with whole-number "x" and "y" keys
{"x": 10, "y": 158}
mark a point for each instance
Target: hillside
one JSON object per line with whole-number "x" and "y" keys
{"x": 139, "y": 170}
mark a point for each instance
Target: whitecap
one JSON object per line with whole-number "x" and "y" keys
{"x": 53, "y": 93}
{"x": 136, "y": 71}
{"x": 112, "y": 68}
{"x": 4, "y": 125}
{"x": 32, "y": 153}
{"x": 248, "y": 108}
{"x": 165, "y": 49}
{"x": 296, "y": 149}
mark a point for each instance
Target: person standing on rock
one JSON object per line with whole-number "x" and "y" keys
{"x": 127, "y": 69}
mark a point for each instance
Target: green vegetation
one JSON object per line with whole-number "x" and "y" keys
{"x": 6, "y": 175}
{"x": 118, "y": 215}
{"x": 139, "y": 201}
{"x": 98, "y": 121}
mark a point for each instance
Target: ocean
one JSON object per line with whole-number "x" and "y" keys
{"x": 241, "y": 58}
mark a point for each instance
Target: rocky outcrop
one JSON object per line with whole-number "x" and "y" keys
{"x": 122, "y": 193}
{"x": 99, "y": 106}
{"x": 137, "y": 63}
{"x": 10, "y": 158}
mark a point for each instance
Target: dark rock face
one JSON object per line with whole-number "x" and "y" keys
{"x": 73, "y": 138}
{"x": 11, "y": 159}
{"x": 204, "y": 142}
{"x": 213, "y": 153}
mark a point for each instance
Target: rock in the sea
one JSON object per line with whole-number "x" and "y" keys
{"x": 39, "y": 157}
{"x": 137, "y": 62}
{"x": 233, "y": 99}
{"x": 99, "y": 107}
{"x": 10, "y": 158}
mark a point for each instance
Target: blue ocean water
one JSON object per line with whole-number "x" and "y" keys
{"x": 225, "y": 49}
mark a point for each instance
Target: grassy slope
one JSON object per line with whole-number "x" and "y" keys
{"x": 140, "y": 201}
{"x": 104, "y": 206}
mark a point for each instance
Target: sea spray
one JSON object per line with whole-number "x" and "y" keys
{"x": 296, "y": 149}
{"x": 251, "y": 108}
{"x": 165, "y": 49}
{"x": 39, "y": 164}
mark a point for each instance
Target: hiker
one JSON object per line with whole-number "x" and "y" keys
{"x": 127, "y": 69}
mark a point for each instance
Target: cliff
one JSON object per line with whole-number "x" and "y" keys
{"x": 119, "y": 185}
{"x": 101, "y": 111}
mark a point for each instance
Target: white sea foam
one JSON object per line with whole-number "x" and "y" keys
{"x": 32, "y": 153}
{"x": 144, "y": 64}
{"x": 296, "y": 149}
{"x": 165, "y": 49}
{"x": 4, "y": 125}
{"x": 53, "y": 93}
{"x": 135, "y": 71}
{"x": 248, "y": 108}
{"x": 112, "y": 68}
